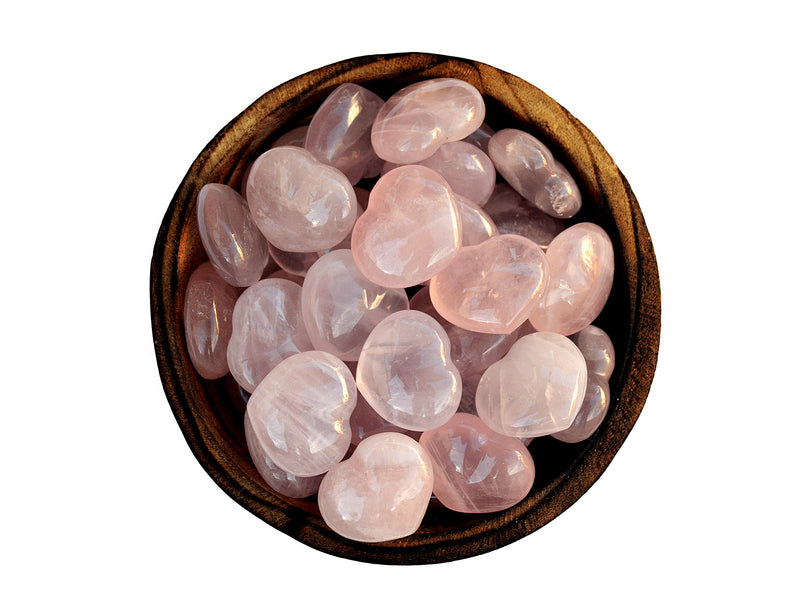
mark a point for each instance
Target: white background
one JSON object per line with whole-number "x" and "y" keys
{"x": 104, "y": 107}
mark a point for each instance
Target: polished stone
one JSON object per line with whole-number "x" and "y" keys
{"x": 597, "y": 349}
{"x": 511, "y": 213}
{"x": 481, "y": 136}
{"x": 593, "y": 410}
{"x": 466, "y": 168}
{"x": 476, "y": 225}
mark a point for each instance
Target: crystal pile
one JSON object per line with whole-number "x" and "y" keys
{"x": 397, "y": 294}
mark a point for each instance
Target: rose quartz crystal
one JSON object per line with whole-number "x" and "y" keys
{"x": 406, "y": 374}
{"x": 275, "y": 477}
{"x": 593, "y": 411}
{"x": 281, "y": 274}
{"x": 581, "y": 260}
{"x": 339, "y": 132}
{"x": 528, "y": 165}
{"x": 536, "y": 389}
{"x": 267, "y": 327}
{"x": 491, "y": 287}
{"x": 232, "y": 241}
{"x": 597, "y": 349}
{"x": 296, "y": 263}
{"x": 421, "y": 117}
{"x": 341, "y": 307}
{"x": 411, "y": 229}
{"x": 300, "y": 412}
{"x": 365, "y": 422}
{"x": 475, "y": 469}
{"x": 294, "y": 137}
{"x": 381, "y": 493}
{"x": 476, "y": 225}
{"x": 511, "y": 213}
{"x": 299, "y": 203}
{"x": 207, "y": 316}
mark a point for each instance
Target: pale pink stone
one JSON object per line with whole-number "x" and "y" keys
{"x": 491, "y": 287}
{"x": 529, "y": 167}
{"x": 300, "y": 412}
{"x": 281, "y": 274}
{"x": 475, "y": 469}
{"x": 597, "y": 349}
{"x": 339, "y": 132}
{"x": 275, "y": 477}
{"x": 207, "y": 320}
{"x": 381, "y": 493}
{"x": 232, "y": 241}
{"x": 466, "y": 168}
{"x": 511, "y": 213}
{"x": 411, "y": 229}
{"x": 341, "y": 307}
{"x": 267, "y": 328}
{"x": 480, "y": 137}
{"x": 299, "y": 203}
{"x": 406, "y": 374}
{"x": 536, "y": 389}
{"x": 294, "y": 137}
{"x": 418, "y": 119}
{"x": 476, "y": 225}
{"x": 581, "y": 261}
{"x": 296, "y": 263}
{"x": 593, "y": 410}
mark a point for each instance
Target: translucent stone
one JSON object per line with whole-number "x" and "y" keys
{"x": 475, "y": 469}
{"x": 232, "y": 241}
{"x": 381, "y": 493}
{"x": 406, "y": 374}
{"x": 597, "y": 349}
{"x": 275, "y": 477}
{"x": 411, "y": 229}
{"x": 536, "y": 389}
{"x": 480, "y": 137}
{"x": 529, "y": 167}
{"x": 267, "y": 327}
{"x": 294, "y": 137}
{"x": 511, "y": 213}
{"x": 466, "y": 168}
{"x": 300, "y": 413}
{"x": 341, "y": 306}
{"x": 296, "y": 263}
{"x": 339, "y": 132}
{"x": 299, "y": 203}
{"x": 476, "y": 225}
{"x": 207, "y": 320}
{"x": 491, "y": 287}
{"x": 365, "y": 422}
{"x": 581, "y": 261}
{"x": 593, "y": 410}
{"x": 418, "y": 119}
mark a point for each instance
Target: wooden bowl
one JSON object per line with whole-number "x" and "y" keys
{"x": 209, "y": 413}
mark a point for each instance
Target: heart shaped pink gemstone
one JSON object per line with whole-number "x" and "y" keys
{"x": 475, "y": 469}
{"x": 476, "y": 225}
{"x": 380, "y": 493}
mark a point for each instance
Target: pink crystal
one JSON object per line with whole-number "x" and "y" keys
{"x": 296, "y": 263}
{"x": 466, "y": 168}
{"x": 207, "y": 316}
{"x": 597, "y": 349}
{"x": 528, "y": 165}
{"x": 300, "y": 413}
{"x": 281, "y": 274}
{"x": 593, "y": 411}
{"x": 232, "y": 241}
{"x": 299, "y": 203}
{"x": 418, "y": 119}
{"x": 511, "y": 213}
{"x": 267, "y": 327}
{"x": 491, "y": 287}
{"x": 581, "y": 260}
{"x": 411, "y": 229}
{"x": 341, "y": 306}
{"x": 480, "y": 137}
{"x": 365, "y": 422}
{"x": 381, "y": 492}
{"x": 476, "y": 225}
{"x": 406, "y": 374}
{"x": 475, "y": 469}
{"x": 536, "y": 389}
{"x": 339, "y": 132}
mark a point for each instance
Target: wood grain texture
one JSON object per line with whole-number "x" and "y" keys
{"x": 211, "y": 420}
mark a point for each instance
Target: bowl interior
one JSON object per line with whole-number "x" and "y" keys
{"x": 210, "y": 413}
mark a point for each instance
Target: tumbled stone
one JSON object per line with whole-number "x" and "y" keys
{"x": 406, "y": 374}
{"x": 300, "y": 412}
{"x": 476, "y": 225}
{"x": 275, "y": 477}
{"x": 511, "y": 213}
{"x": 480, "y": 137}
{"x": 476, "y": 469}
{"x": 339, "y": 132}
{"x": 491, "y": 287}
{"x": 341, "y": 306}
{"x": 581, "y": 261}
{"x": 418, "y": 119}
{"x": 232, "y": 241}
{"x": 381, "y": 493}
{"x": 365, "y": 422}
{"x": 296, "y": 263}
{"x": 536, "y": 389}
{"x": 593, "y": 410}
{"x": 267, "y": 327}
{"x": 466, "y": 168}
{"x": 299, "y": 203}
{"x": 410, "y": 230}
{"x": 597, "y": 349}
{"x": 529, "y": 167}
{"x": 294, "y": 137}
{"x": 207, "y": 320}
